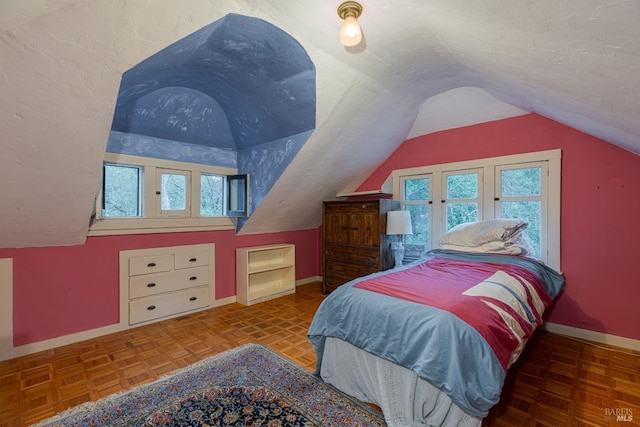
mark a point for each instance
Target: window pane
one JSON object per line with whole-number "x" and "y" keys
{"x": 420, "y": 225}
{"x": 121, "y": 191}
{"x": 464, "y": 186}
{"x": 211, "y": 195}
{"x": 459, "y": 213}
{"x": 174, "y": 192}
{"x": 238, "y": 192}
{"x": 416, "y": 189}
{"x": 521, "y": 182}
{"x": 530, "y": 211}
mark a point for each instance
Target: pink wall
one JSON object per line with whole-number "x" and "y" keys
{"x": 63, "y": 290}
{"x": 599, "y": 211}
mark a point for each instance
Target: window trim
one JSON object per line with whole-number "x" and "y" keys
{"x": 171, "y": 213}
{"x": 553, "y": 159}
{"x": 445, "y": 201}
{"x": 149, "y": 222}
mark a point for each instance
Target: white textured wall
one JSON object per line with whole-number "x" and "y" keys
{"x": 575, "y": 61}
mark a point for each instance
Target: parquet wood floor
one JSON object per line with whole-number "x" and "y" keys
{"x": 557, "y": 381}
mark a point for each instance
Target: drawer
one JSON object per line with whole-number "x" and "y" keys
{"x": 345, "y": 271}
{"x": 188, "y": 259}
{"x": 150, "y": 264}
{"x": 331, "y": 284}
{"x": 352, "y": 207}
{"x": 358, "y": 255}
{"x": 151, "y": 284}
{"x": 163, "y": 305}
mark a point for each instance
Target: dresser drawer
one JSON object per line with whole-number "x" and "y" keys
{"x": 331, "y": 284}
{"x": 151, "y": 284}
{"x": 150, "y": 264}
{"x": 188, "y": 259}
{"x": 352, "y": 207}
{"x": 358, "y": 255}
{"x": 155, "y": 307}
{"x": 346, "y": 271}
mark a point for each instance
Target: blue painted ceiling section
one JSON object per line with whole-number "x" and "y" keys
{"x": 265, "y": 163}
{"x": 166, "y": 149}
{"x": 237, "y": 93}
{"x": 179, "y": 114}
{"x": 234, "y": 84}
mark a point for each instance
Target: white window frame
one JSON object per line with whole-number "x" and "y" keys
{"x": 544, "y": 176}
{"x": 172, "y": 213}
{"x": 151, "y": 221}
{"x": 441, "y": 216}
{"x": 489, "y": 166}
{"x": 428, "y": 203}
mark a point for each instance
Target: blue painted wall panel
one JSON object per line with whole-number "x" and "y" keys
{"x": 158, "y": 148}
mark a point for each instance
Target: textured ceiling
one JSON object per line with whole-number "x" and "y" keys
{"x": 575, "y": 61}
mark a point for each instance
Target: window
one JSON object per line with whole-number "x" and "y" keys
{"x": 238, "y": 200}
{"x": 145, "y": 195}
{"x": 121, "y": 191}
{"x": 525, "y": 186}
{"x": 519, "y": 190}
{"x": 462, "y": 197}
{"x": 417, "y": 190}
{"x": 173, "y": 189}
{"x": 211, "y": 195}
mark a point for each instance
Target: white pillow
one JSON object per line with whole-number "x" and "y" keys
{"x": 502, "y": 248}
{"x": 482, "y": 232}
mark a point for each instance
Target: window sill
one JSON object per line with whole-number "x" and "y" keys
{"x": 122, "y": 226}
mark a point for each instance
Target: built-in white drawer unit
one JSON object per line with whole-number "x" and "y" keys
{"x": 160, "y": 283}
{"x": 167, "y": 304}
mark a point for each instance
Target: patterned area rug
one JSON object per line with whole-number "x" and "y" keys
{"x": 246, "y": 386}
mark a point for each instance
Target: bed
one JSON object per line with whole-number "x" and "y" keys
{"x": 431, "y": 342}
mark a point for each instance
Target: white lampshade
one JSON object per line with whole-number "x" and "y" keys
{"x": 399, "y": 222}
{"x": 350, "y": 32}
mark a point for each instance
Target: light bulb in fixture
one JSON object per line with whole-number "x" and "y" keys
{"x": 350, "y": 31}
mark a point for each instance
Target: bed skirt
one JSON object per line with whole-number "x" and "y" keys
{"x": 405, "y": 399}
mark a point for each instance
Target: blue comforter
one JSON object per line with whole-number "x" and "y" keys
{"x": 437, "y": 345}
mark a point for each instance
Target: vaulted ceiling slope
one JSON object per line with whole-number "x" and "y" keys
{"x": 61, "y": 62}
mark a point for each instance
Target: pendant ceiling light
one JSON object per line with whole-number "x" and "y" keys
{"x": 350, "y": 32}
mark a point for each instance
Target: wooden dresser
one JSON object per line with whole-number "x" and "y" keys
{"x": 354, "y": 240}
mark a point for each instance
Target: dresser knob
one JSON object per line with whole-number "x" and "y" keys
{"x": 151, "y": 307}
{"x": 193, "y": 298}
{"x": 193, "y": 260}
{"x": 151, "y": 264}
{"x": 192, "y": 278}
{"x": 151, "y": 285}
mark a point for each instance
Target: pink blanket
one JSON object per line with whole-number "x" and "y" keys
{"x": 504, "y": 303}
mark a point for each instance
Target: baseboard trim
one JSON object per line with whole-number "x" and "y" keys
{"x": 35, "y": 347}
{"x": 598, "y": 337}
{"x": 308, "y": 280}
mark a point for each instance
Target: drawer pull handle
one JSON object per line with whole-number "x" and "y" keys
{"x": 193, "y": 298}
{"x": 193, "y": 259}
{"x": 192, "y": 278}
{"x": 151, "y": 285}
{"x": 151, "y": 307}
{"x": 151, "y": 264}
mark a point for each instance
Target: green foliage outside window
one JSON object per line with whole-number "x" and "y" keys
{"x": 121, "y": 191}
{"x": 173, "y": 192}
{"x": 211, "y": 195}
{"x": 520, "y": 191}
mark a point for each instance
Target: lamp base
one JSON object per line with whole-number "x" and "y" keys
{"x": 398, "y": 253}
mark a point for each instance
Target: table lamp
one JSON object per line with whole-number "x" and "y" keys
{"x": 398, "y": 223}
